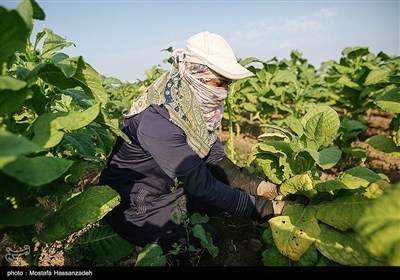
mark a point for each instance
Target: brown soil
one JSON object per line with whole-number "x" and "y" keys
{"x": 242, "y": 239}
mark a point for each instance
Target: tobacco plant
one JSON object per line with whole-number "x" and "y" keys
{"x": 52, "y": 128}
{"x": 333, "y": 228}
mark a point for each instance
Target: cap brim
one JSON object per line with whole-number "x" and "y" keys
{"x": 233, "y": 71}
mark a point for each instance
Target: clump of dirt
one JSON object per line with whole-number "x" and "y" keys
{"x": 241, "y": 242}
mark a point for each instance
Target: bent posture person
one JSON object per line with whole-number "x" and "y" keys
{"x": 175, "y": 162}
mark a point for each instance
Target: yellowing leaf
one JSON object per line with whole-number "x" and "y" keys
{"x": 294, "y": 232}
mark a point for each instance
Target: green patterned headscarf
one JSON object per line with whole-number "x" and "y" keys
{"x": 178, "y": 97}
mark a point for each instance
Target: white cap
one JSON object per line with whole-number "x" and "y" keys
{"x": 212, "y": 50}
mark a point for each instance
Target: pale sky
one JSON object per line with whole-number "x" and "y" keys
{"x": 123, "y": 39}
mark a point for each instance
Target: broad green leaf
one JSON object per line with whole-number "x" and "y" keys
{"x": 13, "y": 93}
{"x": 48, "y": 132}
{"x": 351, "y": 129}
{"x": 85, "y": 77}
{"x": 75, "y": 172}
{"x": 355, "y": 53}
{"x": 68, "y": 66}
{"x": 13, "y": 33}
{"x": 288, "y": 166}
{"x": 346, "y": 81}
{"x": 272, "y": 136}
{"x": 30, "y": 10}
{"x": 324, "y": 261}
{"x": 54, "y": 75}
{"x": 249, "y": 60}
{"x": 256, "y": 86}
{"x": 38, "y": 12}
{"x": 356, "y": 152}
{"x": 104, "y": 246}
{"x": 272, "y": 257}
{"x": 25, "y": 10}
{"x": 295, "y": 231}
{"x": 112, "y": 81}
{"x": 314, "y": 136}
{"x": 301, "y": 183}
{"x": 385, "y": 144}
{"x": 377, "y": 76}
{"x": 309, "y": 258}
{"x": 49, "y": 128}
{"x": 31, "y": 170}
{"x": 11, "y": 217}
{"x": 320, "y": 126}
{"x": 329, "y": 185}
{"x": 12, "y": 146}
{"x": 196, "y": 218}
{"x": 390, "y": 101}
{"x": 10, "y": 83}
{"x": 76, "y": 120}
{"x": 82, "y": 142}
{"x": 11, "y": 101}
{"x": 394, "y": 258}
{"x": 281, "y": 129}
{"x": 283, "y": 76}
{"x": 38, "y": 101}
{"x": 53, "y": 43}
{"x": 85, "y": 208}
{"x": 271, "y": 168}
{"x": 83, "y": 100}
{"x": 376, "y": 188}
{"x": 205, "y": 239}
{"x": 325, "y": 158}
{"x": 113, "y": 125}
{"x": 267, "y": 238}
{"x": 342, "y": 247}
{"x": 295, "y": 125}
{"x": 89, "y": 78}
{"x": 379, "y": 225}
{"x": 249, "y": 107}
{"x": 272, "y": 157}
{"x": 342, "y": 212}
{"x": 252, "y": 98}
{"x": 278, "y": 148}
{"x": 358, "y": 177}
{"x": 151, "y": 255}
{"x": 103, "y": 137}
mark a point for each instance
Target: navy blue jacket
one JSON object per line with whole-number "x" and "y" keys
{"x": 157, "y": 169}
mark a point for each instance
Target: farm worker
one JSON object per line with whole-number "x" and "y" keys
{"x": 175, "y": 162}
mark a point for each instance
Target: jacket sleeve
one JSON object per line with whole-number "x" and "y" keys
{"x": 222, "y": 168}
{"x": 167, "y": 145}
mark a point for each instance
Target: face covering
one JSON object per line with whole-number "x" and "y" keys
{"x": 210, "y": 98}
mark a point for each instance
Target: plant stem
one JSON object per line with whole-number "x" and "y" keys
{"x": 231, "y": 141}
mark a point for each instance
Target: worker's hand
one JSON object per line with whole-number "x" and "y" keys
{"x": 267, "y": 189}
{"x": 265, "y": 209}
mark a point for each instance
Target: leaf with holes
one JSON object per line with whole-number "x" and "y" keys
{"x": 295, "y": 231}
